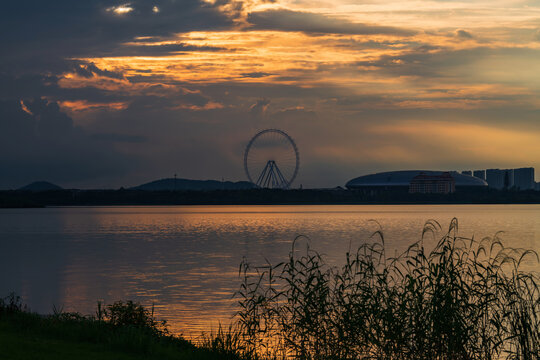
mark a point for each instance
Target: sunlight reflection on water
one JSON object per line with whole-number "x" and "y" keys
{"x": 185, "y": 259}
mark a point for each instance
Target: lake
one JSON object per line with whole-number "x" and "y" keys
{"x": 184, "y": 259}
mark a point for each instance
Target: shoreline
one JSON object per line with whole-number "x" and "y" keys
{"x": 122, "y": 197}
{"x": 123, "y": 330}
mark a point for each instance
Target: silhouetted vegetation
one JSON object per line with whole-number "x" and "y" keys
{"x": 123, "y": 330}
{"x": 259, "y": 197}
{"x": 465, "y": 299}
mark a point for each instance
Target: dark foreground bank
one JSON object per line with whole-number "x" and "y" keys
{"x": 21, "y": 199}
{"x": 121, "y": 331}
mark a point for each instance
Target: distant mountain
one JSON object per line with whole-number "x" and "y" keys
{"x": 186, "y": 184}
{"x": 40, "y": 186}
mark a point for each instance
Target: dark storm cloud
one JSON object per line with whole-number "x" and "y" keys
{"x": 88, "y": 70}
{"x": 288, "y": 20}
{"x": 40, "y": 35}
{"x": 26, "y": 86}
{"x": 41, "y": 38}
{"x": 41, "y": 142}
{"x": 30, "y": 86}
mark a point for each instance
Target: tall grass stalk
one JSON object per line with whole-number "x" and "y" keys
{"x": 465, "y": 299}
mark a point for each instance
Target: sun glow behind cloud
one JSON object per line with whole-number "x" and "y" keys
{"x": 274, "y": 53}
{"x": 120, "y": 9}
{"x": 443, "y": 55}
{"x": 344, "y": 59}
{"x": 388, "y": 65}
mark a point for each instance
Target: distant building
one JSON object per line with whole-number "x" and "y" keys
{"x": 432, "y": 184}
{"x": 509, "y": 178}
{"x": 399, "y": 181}
{"x": 500, "y": 179}
{"x": 481, "y": 174}
{"x": 524, "y": 178}
{"x": 495, "y": 178}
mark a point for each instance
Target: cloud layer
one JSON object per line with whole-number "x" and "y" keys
{"x": 107, "y": 93}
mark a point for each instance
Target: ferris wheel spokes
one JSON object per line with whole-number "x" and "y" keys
{"x": 271, "y": 177}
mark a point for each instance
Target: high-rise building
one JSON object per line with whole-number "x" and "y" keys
{"x": 467, "y": 172}
{"x": 524, "y": 178}
{"x": 481, "y": 174}
{"x": 495, "y": 178}
{"x": 500, "y": 179}
{"x": 509, "y": 178}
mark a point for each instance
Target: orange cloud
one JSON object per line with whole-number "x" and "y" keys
{"x": 208, "y": 106}
{"x": 421, "y": 71}
{"x": 84, "y": 106}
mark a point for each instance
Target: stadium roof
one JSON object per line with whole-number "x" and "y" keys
{"x": 403, "y": 178}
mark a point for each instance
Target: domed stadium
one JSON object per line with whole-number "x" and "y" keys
{"x": 400, "y": 180}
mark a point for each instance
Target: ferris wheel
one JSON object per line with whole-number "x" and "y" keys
{"x": 271, "y": 159}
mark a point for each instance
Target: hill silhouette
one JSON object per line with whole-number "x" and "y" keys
{"x": 171, "y": 184}
{"x": 40, "y": 186}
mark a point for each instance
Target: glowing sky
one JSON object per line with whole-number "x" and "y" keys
{"x": 107, "y": 93}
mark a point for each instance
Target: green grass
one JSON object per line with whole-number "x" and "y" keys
{"x": 118, "y": 331}
{"x": 28, "y": 346}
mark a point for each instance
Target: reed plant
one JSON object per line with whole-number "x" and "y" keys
{"x": 464, "y": 299}
{"x": 225, "y": 342}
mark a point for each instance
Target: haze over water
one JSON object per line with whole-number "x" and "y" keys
{"x": 185, "y": 259}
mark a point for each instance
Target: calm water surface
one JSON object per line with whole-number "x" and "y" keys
{"x": 185, "y": 259}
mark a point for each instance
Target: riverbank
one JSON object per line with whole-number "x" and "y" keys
{"x": 26, "y": 335}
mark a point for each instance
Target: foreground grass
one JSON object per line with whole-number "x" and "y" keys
{"x": 120, "y": 331}
{"x": 29, "y": 345}
{"x": 463, "y": 300}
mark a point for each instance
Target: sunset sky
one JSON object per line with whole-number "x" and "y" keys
{"x": 100, "y": 94}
